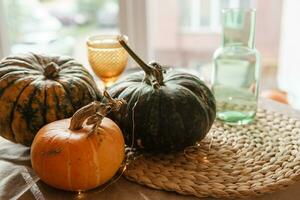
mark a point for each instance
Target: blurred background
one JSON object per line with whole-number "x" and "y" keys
{"x": 181, "y": 33}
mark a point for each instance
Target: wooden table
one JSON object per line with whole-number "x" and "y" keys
{"x": 122, "y": 189}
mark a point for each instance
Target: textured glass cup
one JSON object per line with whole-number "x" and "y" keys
{"x": 236, "y": 71}
{"x": 107, "y": 57}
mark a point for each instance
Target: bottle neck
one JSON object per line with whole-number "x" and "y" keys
{"x": 238, "y": 28}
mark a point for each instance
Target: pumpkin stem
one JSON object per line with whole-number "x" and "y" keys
{"x": 153, "y": 70}
{"x": 51, "y": 70}
{"x": 94, "y": 113}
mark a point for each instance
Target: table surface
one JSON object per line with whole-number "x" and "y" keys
{"x": 19, "y": 181}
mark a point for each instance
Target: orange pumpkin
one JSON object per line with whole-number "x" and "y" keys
{"x": 276, "y": 95}
{"x": 72, "y": 155}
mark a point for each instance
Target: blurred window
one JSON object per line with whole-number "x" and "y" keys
{"x": 58, "y": 26}
{"x": 182, "y": 33}
{"x": 186, "y": 33}
{"x": 205, "y": 15}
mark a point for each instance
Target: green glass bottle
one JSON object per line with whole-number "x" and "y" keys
{"x": 236, "y": 69}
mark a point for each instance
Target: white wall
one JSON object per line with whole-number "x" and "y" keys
{"x": 289, "y": 61}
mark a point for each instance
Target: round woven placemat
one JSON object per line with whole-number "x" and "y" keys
{"x": 231, "y": 162}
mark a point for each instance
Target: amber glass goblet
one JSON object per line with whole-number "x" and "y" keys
{"x": 107, "y": 57}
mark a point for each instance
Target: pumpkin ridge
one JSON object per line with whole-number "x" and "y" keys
{"x": 10, "y": 117}
{"x": 175, "y": 111}
{"x": 64, "y": 104}
{"x": 23, "y": 64}
{"x": 89, "y": 82}
{"x": 182, "y": 77}
{"x": 95, "y": 159}
{"x": 12, "y": 73}
{"x": 51, "y": 105}
{"x": 14, "y": 108}
{"x": 39, "y": 61}
{"x": 30, "y": 121}
{"x": 41, "y": 90}
{"x": 18, "y": 73}
{"x": 18, "y": 58}
{"x": 204, "y": 111}
{"x": 8, "y": 69}
{"x": 72, "y": 71}
{"x": 210, "y": 103}
{"x": 82, "y": 75}
{"x": 127, "y": 82}
{"x": 56, "y": 99}
{"x": 67, "y": 94}
{"x": 72, "y": 66}
{"x": 49, "y": 142}
{"x": 123, "y": 116}
{"x": 70, "y": 75}
{"x": 69, "y": 166}
{"x": 45, "y": 104}
{"x": 120, "y": 87}
{"x": 129, "y": 90}
{"x": 11, "y": 82}
{"x": 153, "y": 119}
{"x": 135, "y": 94}
{"x": 67, "y": 60}
{"x": 135, "y": 77}
{"x": 201, "y": 90}
{"x": 207, "y": 99}
{"x": 203, "y": 106}
{"x": 47, "y": 148}
{"x": 91, "y": 92}
{"x": 62, "y": 60}
{"x": 57, "y": 61}
{"x": 71, "y": 86}
{"x": 177, "y": 114}
{"x": 83, "y": 89}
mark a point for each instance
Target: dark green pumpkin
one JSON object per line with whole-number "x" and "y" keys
{"x": 165, "y": 111}
{"x": 38, "y": 89}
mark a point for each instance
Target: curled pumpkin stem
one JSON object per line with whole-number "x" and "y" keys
{"x": 51, "y": 70}
{"x": 157, "y": 73}
{"x": 154, "y": 71}
{"x": 115, "y": 104}
{"x": 95, "y": 120}
{"x": 94, "y": 113}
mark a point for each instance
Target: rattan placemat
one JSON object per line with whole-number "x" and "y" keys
{"x": 231, "y": 162}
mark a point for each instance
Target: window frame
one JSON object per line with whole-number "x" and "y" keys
{"x": 4, "y": 45}
{"x": 196, "y": 27}
{"x": 134, "y": 21}
{"x": 214, "y": 27}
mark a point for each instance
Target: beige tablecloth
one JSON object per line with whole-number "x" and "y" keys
{"x": 16, "y": 175}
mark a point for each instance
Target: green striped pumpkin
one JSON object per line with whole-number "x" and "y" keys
{"x": 165, "y": 111}
{"x": 38, "y": 89}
